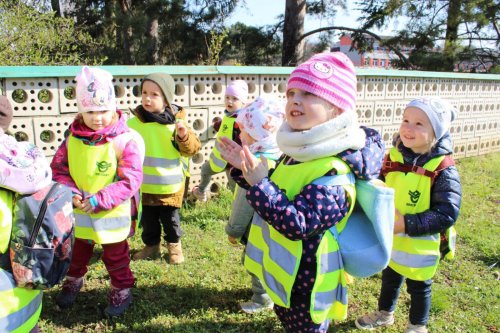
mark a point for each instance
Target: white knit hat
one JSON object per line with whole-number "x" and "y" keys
{"x": 95, "y": 90}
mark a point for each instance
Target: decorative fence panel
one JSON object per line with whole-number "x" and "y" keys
{"x": 43, "y": 99}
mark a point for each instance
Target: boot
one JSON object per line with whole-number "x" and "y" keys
{"x": 119, "y": 299}
{"x": 70, "y": 289}
{"x": 151, "y": 252}
{"x": 175, "y": 255}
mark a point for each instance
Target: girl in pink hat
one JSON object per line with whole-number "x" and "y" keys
{"x": 290, "y": 248}
{"x": 235, "y": 98}
{"x": 101, "y": 161}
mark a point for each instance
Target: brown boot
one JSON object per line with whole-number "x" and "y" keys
{"x": 151, "y": 252}
{"x": 175, "y": 255}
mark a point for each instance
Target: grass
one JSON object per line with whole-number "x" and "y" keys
{"x": 202, "y": 294}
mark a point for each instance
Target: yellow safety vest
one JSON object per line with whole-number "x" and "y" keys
{"x": 19, "y": 307}
{"x": 217, "y": 163}
{"x": 415, "y": 257}
{"x": 275, "y": 259}
{"x": 163, "y": 168}
{"x": 93, "y": 168}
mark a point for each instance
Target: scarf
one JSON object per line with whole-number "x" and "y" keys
{"x": 165, "y": 118}
{"x": 327, "y": 139}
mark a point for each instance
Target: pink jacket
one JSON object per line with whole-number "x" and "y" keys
{"x": 129, "y": 169}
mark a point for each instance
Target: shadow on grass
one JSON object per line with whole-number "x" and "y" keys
{"x": 165, "y": 303}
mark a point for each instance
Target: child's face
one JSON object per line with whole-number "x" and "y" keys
{"x": 152, "y": 97}
{"x": 97, "y": 120}
{"x": 305, "y": 110}
{"x": 246, "y": 138}
{"x": 416, "y": 130}
{"x": 232, "y": 103}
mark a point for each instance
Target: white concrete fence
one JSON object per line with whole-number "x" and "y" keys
{"x": 44, "y": 103}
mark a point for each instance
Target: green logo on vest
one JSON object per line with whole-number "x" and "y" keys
{"x": 224, "y": 128}
{"x": 414, "y": 196}
{"x": 103, "y": 166}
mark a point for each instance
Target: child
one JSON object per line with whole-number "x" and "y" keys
{"x": 101, "y": 162}
{"x": 424, "y": 208}
{"x": 25, "y": 170}
{"x": 290, "y": 248}
{"x": 167, "y": 139}
{"x": 259, "y": 123}
{"x": 235, "y": 98}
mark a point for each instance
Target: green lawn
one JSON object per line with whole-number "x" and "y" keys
{"x": 202, "y": 295}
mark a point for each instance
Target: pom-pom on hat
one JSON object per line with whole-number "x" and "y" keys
{"x": 5, "y": 113}
{"x": 165, "y": 82}
{"x": 440, "y": 113}
{"x": 329, "y": 75}
{"x": 95, "y": 90}
{"x": 238, "y": 89}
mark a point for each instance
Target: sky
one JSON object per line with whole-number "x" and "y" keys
{"x": 264, "y": 12}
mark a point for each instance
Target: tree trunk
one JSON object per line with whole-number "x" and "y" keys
{"x": 128, "y": 48}
{"x": 293, "y": 48}
{"x": 451, "y": 39}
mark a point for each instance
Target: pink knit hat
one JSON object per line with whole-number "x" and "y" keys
{"x": 330, "y": 76}
{"x": 95, "y": 90}
{"x": 238, "y": 89}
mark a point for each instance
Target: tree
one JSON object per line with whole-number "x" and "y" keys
{"x": 441, "y": 33}
{"x": 32, "y": 37}
{"x": 252, "y": 45}
{"x": 151, "y": 31}
{"x": 295, "y": 11}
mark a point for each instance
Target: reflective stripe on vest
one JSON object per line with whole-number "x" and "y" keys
{"x": 275, "y": 259}
{"x": 19, "y": 307}
{"x": 163, "y": 170}
{"x": 414, "y": 257}
{"x": 217, "y": 163}
{"x": 6, "y": 204}
{"x": 93, "y": 168}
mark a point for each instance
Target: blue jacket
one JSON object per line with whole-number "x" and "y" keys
{"x": 446, "y": 193}
{"x": 315, "y": 209}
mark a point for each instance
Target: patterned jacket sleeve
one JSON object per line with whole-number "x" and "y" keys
{"x": 445, "y": 204}
{"x": 60, "y": 168}
{"x": 314, "y": 210}
{"x": 128, "y": 179}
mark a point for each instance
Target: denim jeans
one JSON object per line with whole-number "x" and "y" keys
{"x": 420, "y": 292}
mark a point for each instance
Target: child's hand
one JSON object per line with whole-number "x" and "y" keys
{"x": 232, "y": 240}
{"x": 77, "y": 201}
{"x": 399, "y": 223}
{"x": 230, "y": 151}
{"x": 254, "y": 169}
{"x": 181, "y": 129}
{"x": 87, "y": 206}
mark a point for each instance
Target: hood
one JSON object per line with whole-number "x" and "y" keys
{"x": 81, "y": 131}
{"x": 366, "y": 162}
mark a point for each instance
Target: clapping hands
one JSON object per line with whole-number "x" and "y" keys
{"x": 254, "y": 169}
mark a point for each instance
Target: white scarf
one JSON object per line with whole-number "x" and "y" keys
{"x": 327, "y": 139}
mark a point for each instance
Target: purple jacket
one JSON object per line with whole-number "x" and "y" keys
{"x": 129, "y": 169}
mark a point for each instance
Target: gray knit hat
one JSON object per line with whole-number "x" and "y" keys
{"x": 165, "y": 82}
{"x": 5, "y": 113}
{"x": 440, "y": 113}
